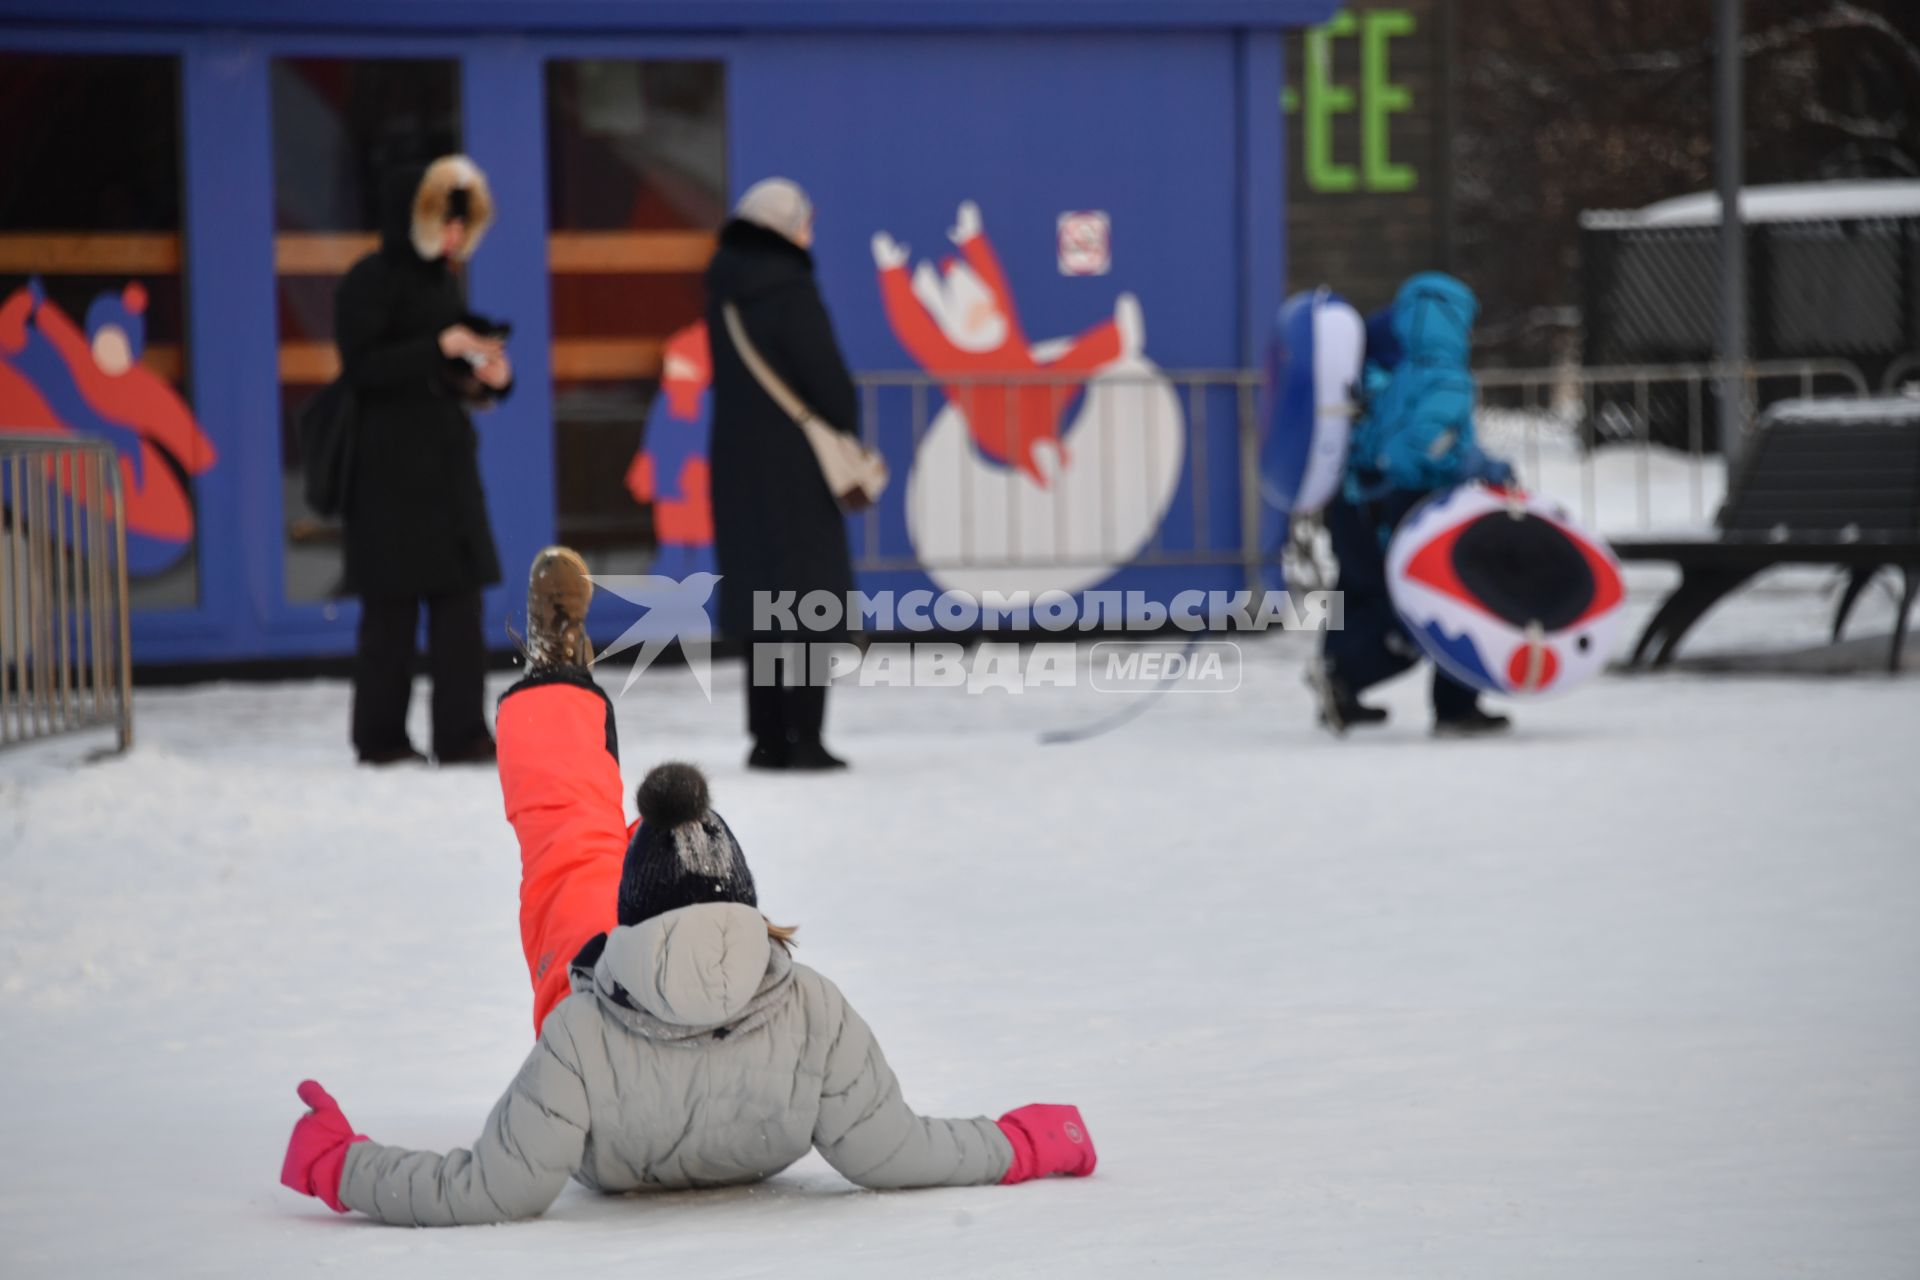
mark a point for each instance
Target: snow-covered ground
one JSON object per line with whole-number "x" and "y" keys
{"x": 1631, "y": 993}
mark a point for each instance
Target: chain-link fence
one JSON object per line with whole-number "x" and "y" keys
{"x": 1819, "y": 289}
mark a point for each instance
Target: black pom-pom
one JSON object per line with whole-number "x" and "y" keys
{"x": 671, "y": 794}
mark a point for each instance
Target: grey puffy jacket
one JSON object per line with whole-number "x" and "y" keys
{"x": 692, "y": 1053}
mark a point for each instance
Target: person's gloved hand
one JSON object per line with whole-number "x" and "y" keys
{"x": 317, "y": 1151}
{"x": 1047, "y": 1139}
{"x": 1475, "y": 465}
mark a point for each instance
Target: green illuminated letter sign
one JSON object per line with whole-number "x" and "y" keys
{"x": 1382, "y": 98}
{"x": 1325, "y": 99}
{"x": 1379, "y": 99}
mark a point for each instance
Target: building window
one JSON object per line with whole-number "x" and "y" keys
{"x": 339, "y": 126}
{"x": 92, "y": 305}
{"x": 636, "y": 189}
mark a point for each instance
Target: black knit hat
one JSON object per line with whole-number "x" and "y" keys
{"x": 682, "y": 853}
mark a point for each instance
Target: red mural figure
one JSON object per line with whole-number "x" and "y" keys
{"x": 670, "y": 470}
{"x": 56, "y": 379}
{"x": 960, "y": 323}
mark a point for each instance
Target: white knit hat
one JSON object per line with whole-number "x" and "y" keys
{"x": 779, "y": 205}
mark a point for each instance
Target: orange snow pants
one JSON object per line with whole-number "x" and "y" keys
{"x": 560, "y": 780}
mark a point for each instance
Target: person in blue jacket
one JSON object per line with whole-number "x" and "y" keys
{"x": 1414, "y": 438}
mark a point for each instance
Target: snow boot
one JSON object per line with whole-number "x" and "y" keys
{"x": 392, "y": 756}
{"x": 480, "y": 751}
{"x": 812, "y": 757}
{"x": 558, "y": 590}
{"x": 767, "y": 755}
{"x": 1339, "y": 707}
{"x": 1471, "y": 723}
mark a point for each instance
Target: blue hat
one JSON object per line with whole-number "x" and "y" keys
{"x": 125, "y": 310}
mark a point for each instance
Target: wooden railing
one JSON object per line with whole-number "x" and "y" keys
{"x": 313, "y": 364}
{"x": 569, "y": 253}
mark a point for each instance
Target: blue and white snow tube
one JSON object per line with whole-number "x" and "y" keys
{"x": 1504, "y": 591}
{"x": 1313, "y": 367}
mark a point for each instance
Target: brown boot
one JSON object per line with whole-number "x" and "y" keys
{"x": 558, "y": 590}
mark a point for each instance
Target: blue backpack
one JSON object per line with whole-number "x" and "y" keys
{"x": 1417, "y": 432}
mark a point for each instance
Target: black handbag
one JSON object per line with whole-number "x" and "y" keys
{"x": 327, "y": 425}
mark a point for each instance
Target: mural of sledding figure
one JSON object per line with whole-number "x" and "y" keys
{"x": 1050, "y": 464}
{"x": 670, "y": 470}
{"x": 57, "y": 379}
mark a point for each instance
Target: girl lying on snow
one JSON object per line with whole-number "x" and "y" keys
{"x": 682, "y": 1047}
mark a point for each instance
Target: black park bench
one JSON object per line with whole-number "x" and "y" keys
{"x": 1834, "y": 482}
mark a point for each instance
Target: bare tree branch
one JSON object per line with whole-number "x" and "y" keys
{"x": 1857, "y": 126}
{"x": 1840, "y": 16}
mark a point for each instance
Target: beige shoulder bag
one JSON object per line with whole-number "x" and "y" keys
{"x": 855, "y": 474}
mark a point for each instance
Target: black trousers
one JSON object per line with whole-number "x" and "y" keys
{"x": 1374, "y": 646}
{"x": 383, "y": 672}
{"x": 788, "y": 712}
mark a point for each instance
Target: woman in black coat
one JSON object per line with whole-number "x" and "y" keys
{"x": 416, "y": 518}
{"x": 778, "y": 531}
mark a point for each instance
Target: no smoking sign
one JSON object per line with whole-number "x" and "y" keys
{"x": 1086, "y": 243}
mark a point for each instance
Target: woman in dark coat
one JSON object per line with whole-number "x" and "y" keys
{"x": 777, "y": 529}
{"x": 416, "y": 518}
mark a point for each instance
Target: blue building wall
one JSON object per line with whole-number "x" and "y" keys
{"x": 1174, "y": 132}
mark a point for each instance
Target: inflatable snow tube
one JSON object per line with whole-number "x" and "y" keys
{"x": 1313, "y": 364}
{"x": 1504, "y": 591}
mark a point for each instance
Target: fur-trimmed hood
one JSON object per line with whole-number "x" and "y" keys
{"x": 418, "y": 201}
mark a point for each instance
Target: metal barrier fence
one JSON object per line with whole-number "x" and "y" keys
{"x": 65, "y": 656}
{"x": 1668, "y": 415}
{"x": 1151, "y": 483}
{"x": 1631, "y": 448}
{"x": 1900, "y": 373}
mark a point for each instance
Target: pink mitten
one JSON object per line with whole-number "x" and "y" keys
{"x": 317, "y": 1151}
{"x": 1047, "y": 1139}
